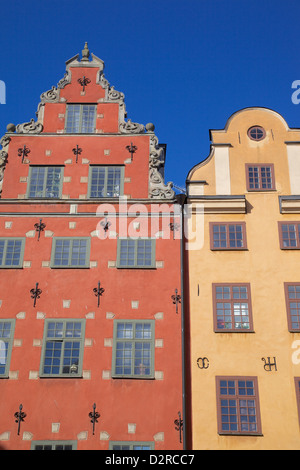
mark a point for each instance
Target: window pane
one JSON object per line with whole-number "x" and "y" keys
{"x": 78, "y": 255}
{"x": 105, "y": 181}
{"x": 53, "y": 179}
{"x": 260, "y": 177}
{"x": 71, "y": 357}
{"x": 123, "y": 358}
{"x": 52, "y": 357}
{"x": 237, "y": 413}
{"x": 234, "y": 313}
{"x": 61, "y": 255}
{"x": 113, "y": 182}
{"x": 13, "y": 252}
{"x": 133, "y": 349}
{"x": 63, "y": 347}
{"x": 98, "y": 178}
{"x": 294, "y": 306}
{"x": 73, "y": 117}
{"x": 88, "y": 118}
{"x": 45, "y": 182}
{"x": 289, "y": 239}
{"x": 36, "y": 184}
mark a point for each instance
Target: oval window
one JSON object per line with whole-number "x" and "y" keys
{"x": 256, "y": 133}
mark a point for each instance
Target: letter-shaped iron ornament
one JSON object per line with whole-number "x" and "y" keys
{"x": 23, "y": 152}
{"x": 39, "y": 228}
{"x": 98, "y": 292}
{"x": 131, "y": 149}
{"x": 83, "y": 82}
{"x": 35, "y": 293}
{"x": 179, "y": 425}
{"x": 19, "y": 417}
{"x": 94, "y": 415}
{"x": 176, "y": 299}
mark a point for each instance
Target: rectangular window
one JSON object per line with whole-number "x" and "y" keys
{"x": 80, "y": 118}
{"x": 62, "y": 350}
{"x": 130, "y": 445}
{"x": 136, "y": 253}
{"x": 70, "y": 252}
{"x": 6, "y": 341}
{"x": 289, "y": 235}
{"x": 297, "y": 386}
{"x": 228, "y": 236}
{"x": 260, "y": 177}
{"x": 238, "y": 405}
{"x": 11, "y": 252}
{"x": 133, "y": 349}
{"x": 106, "y": 181}
{"x": 45, "y": 182}
{"x": 53, "y": 445}
{"x": 232, "y": 308}
{"x": 292, "y": 297}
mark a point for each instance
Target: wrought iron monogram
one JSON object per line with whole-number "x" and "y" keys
{"x": 84, "y": 81}
{"x": 19, "y": 417}
{"x": 174, "y": 226}
{"x": 35, "y": 293}
{"x": 131, "y": 149}
{"x": 176, "y": 299}
{"x": 179, "y": 425}
{"x": 77, "y": 151}
{"x": 23, "y": 152}
{"x": 98, "y": 292}
{"x": 94, "y": 415}
{"x": 203, "y": 363}
{"x": 105, "y": 224}
{"x": 268, "y": 365}
{"x": 39, "y": 227}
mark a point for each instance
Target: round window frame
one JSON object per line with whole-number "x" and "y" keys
{"x": 258, "y": 128}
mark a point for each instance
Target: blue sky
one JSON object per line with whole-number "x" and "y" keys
{"x": 185, "y": 65}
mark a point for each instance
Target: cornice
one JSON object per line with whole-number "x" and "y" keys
{"x": 232, "y": 204}
{"x": 289, "y": 204}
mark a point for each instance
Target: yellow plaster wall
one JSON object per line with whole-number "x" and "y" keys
{"x": 266, "y": 267}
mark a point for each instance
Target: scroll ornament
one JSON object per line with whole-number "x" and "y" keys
{"x": 130, "y": 127}
{"x": 157, "y": 187}
{"x": 31, "y": 127}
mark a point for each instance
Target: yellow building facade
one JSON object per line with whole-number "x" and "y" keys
{"x": 243, "y": 268}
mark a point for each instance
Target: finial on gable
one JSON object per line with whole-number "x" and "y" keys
{"x": 85, "y": 53}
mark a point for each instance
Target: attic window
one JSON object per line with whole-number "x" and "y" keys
{"x": 256, "y": 133}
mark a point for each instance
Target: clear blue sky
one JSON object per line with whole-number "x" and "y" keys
{"x": 184, "y": 65}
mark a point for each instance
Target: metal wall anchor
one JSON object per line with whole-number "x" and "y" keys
{"x": 176, "y": 299}
{"x": 131, "y": 149}
{"x": 105, "y": 224}
{"x": 23, "y": 152}
{"x": 268, "y": 365}
{"x": 35, "y": 293}
{"x": 83, "y": 82}
{"x": 77, "y": 151}
{"x": 174, "y": 226}
{"x": 20, "y": 416}
{"x": 94, "y": 415}
{"x": 179, "y": 425}
{"x": 98, "y": 292}
{"x": 39, "y": 228}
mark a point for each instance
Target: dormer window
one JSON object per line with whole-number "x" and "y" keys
{"x": 80, "y": 118}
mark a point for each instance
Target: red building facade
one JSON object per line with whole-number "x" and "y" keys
{"x": 90, "y": 312}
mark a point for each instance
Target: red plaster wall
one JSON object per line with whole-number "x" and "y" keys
{"x": 151, "y": 404}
